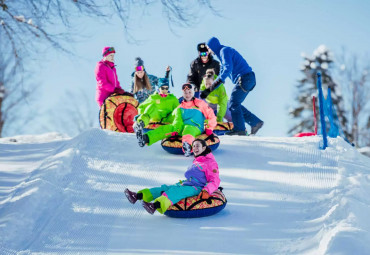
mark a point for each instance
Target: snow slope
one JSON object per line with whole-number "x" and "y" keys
{"x": 62, "y": 195}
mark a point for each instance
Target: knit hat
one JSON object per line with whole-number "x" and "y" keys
{"x": 139, "y": 64}
{"x": 107, "y": 50}
{"x": 202, "y": 47}
{"x": 163, "y": 82}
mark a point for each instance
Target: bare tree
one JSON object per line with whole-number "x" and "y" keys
{"x": 24, "y": 23}
{"x": 354, "y": 74}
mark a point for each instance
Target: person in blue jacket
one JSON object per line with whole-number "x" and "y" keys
{"x": 234, "y": 66}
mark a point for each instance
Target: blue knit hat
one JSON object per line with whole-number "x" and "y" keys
{"x": 163, "y": 82}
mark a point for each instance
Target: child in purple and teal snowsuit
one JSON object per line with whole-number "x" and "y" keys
{"x": 202, "y": 179}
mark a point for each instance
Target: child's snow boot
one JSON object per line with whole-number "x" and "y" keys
{"x": 132, "y": 196}
{"x": 151, "y": 207}
{"x": 139, "y": 125}
{"x": 186, "y": 147}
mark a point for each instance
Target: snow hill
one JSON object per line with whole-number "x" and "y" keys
{"x": 61, "y": 195}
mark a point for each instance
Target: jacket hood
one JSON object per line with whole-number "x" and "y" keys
{"x": 204, "y": 158}
{"x": 215, "y": 45}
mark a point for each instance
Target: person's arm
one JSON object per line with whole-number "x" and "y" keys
{"x": 209, "y": 114}
{"x": 222, "y": 103}
{"x": 213, "y": 180}
{"x": 192, "y": 73}
{"x": 101, "y": 78}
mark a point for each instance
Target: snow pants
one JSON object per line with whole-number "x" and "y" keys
{"x": 239, "y": 113}
{"x": 168, "y": 195}
{"x": 188, "y": 133}
{"x": 227, "y": 114}
{"x": 152, "y": 113}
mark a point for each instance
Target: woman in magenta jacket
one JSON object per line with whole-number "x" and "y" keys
{"x": 106, "y": 76}
{"x": 202, "y": 179}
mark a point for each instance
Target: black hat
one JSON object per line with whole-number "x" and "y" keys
{"x": 202, "y": 47}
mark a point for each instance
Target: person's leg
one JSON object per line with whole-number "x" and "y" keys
{"x": 237, "y": 97}
{"x": 159, "y": 133}
{"x": 249, "y": 117}
{"x": 174, "y": 194}
{"x": 189, "y": 133}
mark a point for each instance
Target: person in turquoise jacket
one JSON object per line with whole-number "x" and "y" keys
{"x": 189, "y": 120}
{"x": 158, "y": 107}
{"x": 217, "y": 99}
{"x": 202, "y": 179}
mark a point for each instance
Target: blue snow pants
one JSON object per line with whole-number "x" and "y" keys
{"x": 239, "y": 113}
{"x": 175, "y": 192}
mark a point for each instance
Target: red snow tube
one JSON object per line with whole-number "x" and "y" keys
{"x": 304, "y": 134}
{"x": 117, "y": 113}
{"x": 192, "y": 207}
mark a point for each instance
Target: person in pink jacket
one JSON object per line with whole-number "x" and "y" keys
{"x": 202, "y": 179}
{"x": 106, "y": 76}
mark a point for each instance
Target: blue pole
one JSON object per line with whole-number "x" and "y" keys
{"x": 322, "y": 115}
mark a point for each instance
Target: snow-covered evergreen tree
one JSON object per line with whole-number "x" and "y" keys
{"x": 321, "y": 61}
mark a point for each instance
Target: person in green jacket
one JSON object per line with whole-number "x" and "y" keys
{"x": 158, "y": 107}
{"x": 217, "y": 99}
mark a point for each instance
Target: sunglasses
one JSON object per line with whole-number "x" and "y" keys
{"x": 187, "y": 86}
{"x": 164, "y": 88}
{"x": 203, "y": 54}
{"x": 139, "y": 68}
{"x": 111, "y": 49}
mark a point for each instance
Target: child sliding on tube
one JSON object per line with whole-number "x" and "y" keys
{"x": 188, "y": 122}
{"x": 202, "y": 179}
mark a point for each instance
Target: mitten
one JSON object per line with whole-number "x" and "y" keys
{"x": 203, "y": 194}
{"x": 209, "y": 131}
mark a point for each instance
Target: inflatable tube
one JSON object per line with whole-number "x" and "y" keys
{"x": 191, "y": 207}
{"x": 223, "y": 127}
{"x": 304, "y": 134}
{"x": 117, "y": 113}
{"x": 173, "y": 144}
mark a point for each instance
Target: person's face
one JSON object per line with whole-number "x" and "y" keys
{"x": 198, "y": 148}
{"x": 204, "y": 56}
{"x": 110, "y": 57}
{"x": 164, "y": 90}
{"x": 188, "y": 94}
{"x": 209, "y": 82}
{"x": 140, "y": 74}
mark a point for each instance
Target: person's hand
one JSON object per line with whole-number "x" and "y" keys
{"x": 174, "y": 134}
{"x": 203, "y": 194}
{"x": 204, "y": 94}
{"x": 209, "y": 131}
{"x": 168, "y": 68}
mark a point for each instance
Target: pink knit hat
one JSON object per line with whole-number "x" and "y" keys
{"x": 108, "y": 50}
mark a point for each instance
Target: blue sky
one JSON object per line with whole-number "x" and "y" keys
{"x": 271, "y": 35}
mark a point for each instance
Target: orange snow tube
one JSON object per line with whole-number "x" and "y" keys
{"x": 117, "y": 113}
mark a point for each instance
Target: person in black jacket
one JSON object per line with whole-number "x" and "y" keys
{"x": 200, "y": 65}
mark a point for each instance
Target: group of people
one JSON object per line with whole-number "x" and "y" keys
{"x": 204, "y": 102}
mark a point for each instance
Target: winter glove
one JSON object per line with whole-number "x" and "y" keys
{"x": 119, "y": 91}
{"x": 209, "y": 131}
{"x": 203, "y": 194}
{"x": 204, "y": 94}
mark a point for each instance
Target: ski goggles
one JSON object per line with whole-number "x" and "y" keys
{"x": 139, "y": 68}
{"x": 164, "y": 88}
{"x": 187, "y": 86}
{"x": 203, "y": 54}
{"x": 111, "y": 49}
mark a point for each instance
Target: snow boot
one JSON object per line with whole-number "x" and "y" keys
{"x": 186, "y": 147}
{"x": 139, "y": 125}
{"x": 151, "y": 207}
{"x": 132, "y": 196}
{"x": 256, "y": 128}
{"x": 142, "y": 138}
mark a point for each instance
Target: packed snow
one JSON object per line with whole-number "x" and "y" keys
{"x": 61, "y": 195}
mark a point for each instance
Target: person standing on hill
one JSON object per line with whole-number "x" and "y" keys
{"x": 234, "y": 66}
{"x": 106, "y": 76}
{"x": 199, "y": 66}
